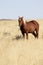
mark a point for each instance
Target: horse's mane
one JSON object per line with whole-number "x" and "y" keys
{"x": 24, "y": 21}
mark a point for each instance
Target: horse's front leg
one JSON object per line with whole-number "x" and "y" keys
{"x": 23, "y": 35}
{"x": 26, "y": 35}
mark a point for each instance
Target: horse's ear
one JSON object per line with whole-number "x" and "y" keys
{"x": 22, "y": 17}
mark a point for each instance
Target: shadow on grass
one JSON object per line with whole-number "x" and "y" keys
{"x": 6, "y": 33}
{"x": 17, "y": 37}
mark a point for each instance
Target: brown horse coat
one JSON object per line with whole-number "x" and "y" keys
{"x": 28, "y": 27}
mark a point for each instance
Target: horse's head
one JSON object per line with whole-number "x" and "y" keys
{"x": 21, "y": 21}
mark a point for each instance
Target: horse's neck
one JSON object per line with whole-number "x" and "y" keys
{"x": 23, "y": 24}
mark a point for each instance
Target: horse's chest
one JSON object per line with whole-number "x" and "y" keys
{"x": 22, "y": 29}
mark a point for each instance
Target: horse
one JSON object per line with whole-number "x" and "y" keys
{"x": 28, "y": 27}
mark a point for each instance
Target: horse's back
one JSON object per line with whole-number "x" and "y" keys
{"x": 33, "y": 22}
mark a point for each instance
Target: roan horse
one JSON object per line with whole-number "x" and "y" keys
{"x": 28, "y": 27}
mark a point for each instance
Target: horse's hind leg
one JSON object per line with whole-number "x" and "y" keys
{"x": 37, "y": 33}
{"x": 34, "y": 34}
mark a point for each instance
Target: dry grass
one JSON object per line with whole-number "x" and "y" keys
{"x": 14, "y": 50}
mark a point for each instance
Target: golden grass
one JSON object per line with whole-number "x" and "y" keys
{"x": 14, "y": 50}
